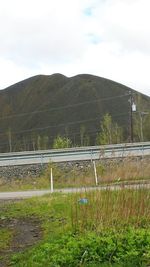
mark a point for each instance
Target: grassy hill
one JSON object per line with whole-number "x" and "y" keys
{"x": 34, "y": 111}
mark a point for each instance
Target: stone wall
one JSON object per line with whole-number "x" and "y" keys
{"x": 19, "y": 172}
{"x": 36, "y": 170}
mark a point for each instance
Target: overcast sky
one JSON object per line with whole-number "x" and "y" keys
{"x": 108, "y": 38}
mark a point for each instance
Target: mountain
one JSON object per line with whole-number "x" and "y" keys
{"x": 34, "y": 111}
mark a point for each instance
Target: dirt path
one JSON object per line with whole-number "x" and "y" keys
{"x": 26, "y": 232}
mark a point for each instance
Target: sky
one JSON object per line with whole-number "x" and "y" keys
{"x": 107, "y": 38}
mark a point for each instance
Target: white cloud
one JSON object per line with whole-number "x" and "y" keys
{"x": 11, "y": 73}
{"x": 127, "y": 23}
{"x": 109, "y": 38}
{"x": 41, "y": 31}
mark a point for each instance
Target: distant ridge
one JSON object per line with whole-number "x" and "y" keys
{"x": 44, "y": 106}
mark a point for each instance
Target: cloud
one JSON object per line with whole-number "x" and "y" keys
{"x": 107, "y": 60}
{"x": 125, "y": 22}
{"x": 109, "y": 38}
{"x": 39, "y": 31}
{"x": 10, "y": 72}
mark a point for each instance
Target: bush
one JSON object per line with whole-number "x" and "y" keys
{"x": 128, "y": 248}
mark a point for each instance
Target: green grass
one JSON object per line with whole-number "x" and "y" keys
{"x": 5, "y": 238}
{"x": 27, "y": 183}
{"x": 112, "y": 229}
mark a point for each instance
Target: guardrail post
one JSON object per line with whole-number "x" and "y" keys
{"x": 41, "y": 160}
{"x": 91, "y": 156}
{"x": 142, "y": 152}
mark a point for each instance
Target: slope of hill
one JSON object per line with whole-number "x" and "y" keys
{"x": 34, "y": 111}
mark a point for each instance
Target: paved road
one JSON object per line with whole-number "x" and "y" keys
{"x": 28, "y": 194}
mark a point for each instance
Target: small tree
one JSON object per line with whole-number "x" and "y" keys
{"x": 9, "y": 135}
{"x": 146, "y": 129}
{"x": 117, "y": 136}
{"x": 62, "y": 142}
{"x": 39, "y": 142}
{"x": 85, "y": 139}
{"x": 45, "y": 142}
{"x": 105, "y": 136}
{"x": 141, "y": 126}
{"x": 110, "y": 133}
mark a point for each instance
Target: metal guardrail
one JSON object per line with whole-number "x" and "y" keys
{"x": 75, "y": 154}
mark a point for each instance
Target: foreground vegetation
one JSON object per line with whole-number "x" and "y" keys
{"x": 98, "y": 228}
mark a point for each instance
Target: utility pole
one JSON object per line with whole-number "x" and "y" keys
{"x": 130, "y": 118}
{"x": 132, "y": 108}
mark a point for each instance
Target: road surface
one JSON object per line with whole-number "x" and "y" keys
{"x": 34, "y": 193}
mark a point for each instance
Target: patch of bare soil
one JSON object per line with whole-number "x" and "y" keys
{"x": 26, "y": 232}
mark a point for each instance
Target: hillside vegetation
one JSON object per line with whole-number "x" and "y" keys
{"x": 35, "y": 111}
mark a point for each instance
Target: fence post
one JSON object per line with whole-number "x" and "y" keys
{"x": 52, "y": 187}
{"x": 95, "y": 173}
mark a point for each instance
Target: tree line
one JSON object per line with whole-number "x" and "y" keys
{"x": 109, "y": 133}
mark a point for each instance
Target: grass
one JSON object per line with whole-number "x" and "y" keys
{"x": 112, "y": 229}
{"x": 127, "y": 170}
{"x": 24, "y": 184}
{"x": 5, "y": 238}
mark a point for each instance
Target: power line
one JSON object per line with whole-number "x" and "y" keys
{"x": 64, "y": 124}
{"x": 62, "y": 107}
